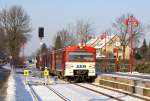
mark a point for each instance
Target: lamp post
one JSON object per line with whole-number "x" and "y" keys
{"x": 131, "y": 21}
{"x": 105, "y": 53}
{"x": 23, "y": 55}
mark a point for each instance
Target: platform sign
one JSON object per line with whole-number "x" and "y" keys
{"x": 46, "y": 72}
{"x": 26, "y": 72}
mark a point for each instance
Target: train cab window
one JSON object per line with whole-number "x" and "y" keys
{"x": 80, "y": 56}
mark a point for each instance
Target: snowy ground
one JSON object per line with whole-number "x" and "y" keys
{"x": 113, "y": 93}
{"x": 45, "y": 94}
{"x": 75, "y": 93}
{"x": 135, "y": 75}
{"x": 18, "y": 91}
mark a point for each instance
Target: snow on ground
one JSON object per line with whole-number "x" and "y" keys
{"x": 22, "y": 92}
{"x": 116, "y": 94}
{"x": 141, "y": 77}
{"x": 16, "y": 90}
{"x": 44, "y": 94}
{"x": 75, "y": 93}
{"x": 11, "y": 88}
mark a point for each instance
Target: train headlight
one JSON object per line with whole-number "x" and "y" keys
{"x": 69, "y": 66}
{"x": 91, "y": 66}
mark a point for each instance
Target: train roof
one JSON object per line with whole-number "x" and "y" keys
{"x": 80, "y": 48}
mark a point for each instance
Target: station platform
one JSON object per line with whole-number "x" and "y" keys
{"x": 138, "y": 83}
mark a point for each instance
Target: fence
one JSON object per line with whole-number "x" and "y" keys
{"x": 108, "y": 65}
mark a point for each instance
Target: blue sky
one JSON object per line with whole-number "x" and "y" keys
{"x": 54, "y": 15}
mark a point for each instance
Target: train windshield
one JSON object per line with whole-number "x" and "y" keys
{"x": 81, "y": 56}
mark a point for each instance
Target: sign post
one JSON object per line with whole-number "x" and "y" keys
{"x": 46, "y": 75}
{"x": 26, "y": 74}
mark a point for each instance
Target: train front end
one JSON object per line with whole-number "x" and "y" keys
{"x": 80, "y": 62}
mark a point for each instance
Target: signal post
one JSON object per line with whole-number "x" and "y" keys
{"x": 46, "y": 76}
{"x": 26, "y": 75}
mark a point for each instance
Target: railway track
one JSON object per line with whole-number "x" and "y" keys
{"x": 121, "y": 96}
{"x": 110, "y": 96}
{"x": 59, "y": 94}
{"x": 115, "y": 98}
{"x": 113, "y": 95}
{"x": 140, "y": 98}
{"x": 36, "y": 96}
{"x": 127, "y": 93}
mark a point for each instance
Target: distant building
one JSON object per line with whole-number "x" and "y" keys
{"x": 110, "y": 44}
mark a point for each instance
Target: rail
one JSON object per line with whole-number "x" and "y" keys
{"x": 59, "y": 94}
{"x": 99, "y": 92}
{"x": 33, "y": 93}
{"x": 126, "y": 93}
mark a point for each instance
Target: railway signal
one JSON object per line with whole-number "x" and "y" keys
{"x": 41, "y": 32}
{"x": 41, "y": 36}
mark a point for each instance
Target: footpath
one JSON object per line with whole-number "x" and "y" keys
{"x": 17, "y": 90}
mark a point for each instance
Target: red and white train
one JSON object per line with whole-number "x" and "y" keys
{"x": 71, "y": 62}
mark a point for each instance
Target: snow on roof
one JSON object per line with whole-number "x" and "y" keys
{"x": 91, "y": 41}
{"x": 99, "y": 42}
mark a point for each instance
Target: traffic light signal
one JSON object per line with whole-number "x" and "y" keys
{"x": 41, "y": 32}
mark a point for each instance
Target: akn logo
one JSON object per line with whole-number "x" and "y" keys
{"x": 81, "y": 66}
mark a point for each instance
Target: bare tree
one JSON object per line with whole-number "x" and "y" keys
{"x": 2, "y": 41}
{"x": 15, "y": 24}
{"x": 73, "y": 34}
{"x": 67, "y": 38}
{"x": 84, "y": 31}
{"x": 123, "y": 32}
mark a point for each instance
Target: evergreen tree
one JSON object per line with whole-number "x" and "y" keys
{"x": 144, "y": 49}
{"x": 58, "y": 43}
{"x": 44, "y": 48}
